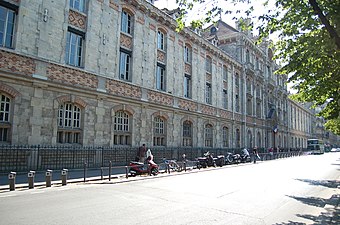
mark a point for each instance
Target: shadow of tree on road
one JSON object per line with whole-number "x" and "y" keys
{"x": 325, "y": 183}
{"x": 331, "y": 216}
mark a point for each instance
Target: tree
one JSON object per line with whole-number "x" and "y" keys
{"x": 308, "y": 48}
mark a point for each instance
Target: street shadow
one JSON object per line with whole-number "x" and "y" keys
{"x": 331, "y": 216}
{"x": 325, "y": 183}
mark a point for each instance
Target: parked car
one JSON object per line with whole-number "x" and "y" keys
{"x": 335, "y": 150}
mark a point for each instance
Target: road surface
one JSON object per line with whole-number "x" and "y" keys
{"x": 299, "y": 190}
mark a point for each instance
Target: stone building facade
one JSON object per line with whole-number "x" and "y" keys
{"x": 117, "y": 73}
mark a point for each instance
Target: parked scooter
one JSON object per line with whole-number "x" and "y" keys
{"x": 245, "y": 156}
{"x": 233, "y": 158}
{"x": 237, "y": 158}
{"x": 138, "y": 168}
{"x": 206, "y": 160}
{"x": 220, "y": 160}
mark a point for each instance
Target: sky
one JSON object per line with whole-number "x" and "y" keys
{"x": 199, "y": 10}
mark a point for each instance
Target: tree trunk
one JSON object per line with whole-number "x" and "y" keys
{"x": 332, "y": 32}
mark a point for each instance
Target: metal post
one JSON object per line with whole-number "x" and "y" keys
{"x": 126, "y": 172}
{"x": 110, "y": 169}
{"x": 85, "y": 170}
{"x": 11, "y": 179}
{"x": 31, "y": 179}
{"x": 48, "y": 178}
{"x": 64, "y": 177}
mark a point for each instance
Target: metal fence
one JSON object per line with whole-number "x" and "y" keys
{"x": 25, "y": 158}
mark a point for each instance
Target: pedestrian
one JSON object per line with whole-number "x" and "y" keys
{"x": 256, "y": 155}
{"x": 271, "y": 152}
{"x": 141, "y": 153}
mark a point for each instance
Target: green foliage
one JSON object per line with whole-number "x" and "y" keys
{"x": 309, "y": 54}
{"x": 308, "y": 47}
{"x": 333, "y": 125}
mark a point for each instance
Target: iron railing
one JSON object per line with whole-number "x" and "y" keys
{"x": 38, "y": 158}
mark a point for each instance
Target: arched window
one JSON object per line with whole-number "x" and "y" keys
{"x": 225, "y": 137}
{"x": 69, "y": 123}
{"x": 5, "y": 113}
{"x": 187, "y": 133}
{"x": 159, "y": 131}
{"x": 122, "y": 132}
{"x": 208, "y": 135}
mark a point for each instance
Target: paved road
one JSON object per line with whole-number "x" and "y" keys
{"x": 301, "y": 190}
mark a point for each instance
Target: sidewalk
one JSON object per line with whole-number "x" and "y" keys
{"x": 73, "y": 176}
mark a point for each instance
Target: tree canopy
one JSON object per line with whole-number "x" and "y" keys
{"x": 308, "y": 47}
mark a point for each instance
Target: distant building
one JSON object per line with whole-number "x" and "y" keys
{"x": 116, "y": 73}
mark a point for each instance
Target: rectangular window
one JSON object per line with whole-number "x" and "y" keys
{"x": 225, "y": 73}
{"x": 225, "y": 99}
{"x": 237, "y": 103}
{"x": 208, "y": 93}
{"x": 160, "y": 40}
{"x": 160, "y": 78}
{"x": 187, "y": 86}
{"x": 187, "y": 54}
{"x": 269, "y": 72}
{"x": 124, "y": 66}
{"x": 208, "y": 65}
{"x": 126, "y": 23}
{"x": 78, "y": 5}
{"x": 7, "y": 22}
{"x": 74, "y": 49}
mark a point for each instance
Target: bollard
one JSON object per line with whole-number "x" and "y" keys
{"x": 185, "y": 166}
{"x": 64, "y": 177}
{"x": 11, "y": 179}
{"x": 126, "y": 172}
{"x": 31, "y": 175}
{"x": 48, "y": 178}
{"x": 85, "y": 171}
{"x": 110, "y": 168}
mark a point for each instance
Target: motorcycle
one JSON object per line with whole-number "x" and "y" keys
{"x": 237, "y": 158}
{"x": 208, "y": 160}
{"x": 138, "y": 168}
{"x": 220, "y": 160}
{"x": 233, "y": 158}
